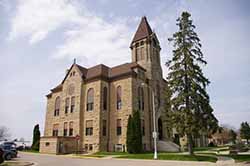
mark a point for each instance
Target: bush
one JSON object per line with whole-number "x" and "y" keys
{"x": 211, "y": 144}
{"x": 240, "y": 147}
{"x": 1, "y": 159}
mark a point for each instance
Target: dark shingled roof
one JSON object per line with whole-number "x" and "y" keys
{"x": 144, "y": 30}
{"x": 102, "y": 71}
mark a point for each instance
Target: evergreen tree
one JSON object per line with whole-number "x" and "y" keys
{"x": 232, "y": 136}
{"x": 167, "y": 114}
{"x": 129, "y": 140}
{"x": 245, "y": 131}
{"x": 189, "y": 101}
{"x": 134, "y": 133}
{"x": 137, "y": 132}
{"x": 36, "y": 138}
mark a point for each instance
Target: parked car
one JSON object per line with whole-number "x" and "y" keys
{"x": 1, "y": 155}
{"x": 9, "y": 152}
{"x": 9, "y": 143}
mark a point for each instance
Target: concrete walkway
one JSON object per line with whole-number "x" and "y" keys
{"x": 225, "y": 161}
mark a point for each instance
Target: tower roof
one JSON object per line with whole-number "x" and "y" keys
{"x": 144, "y": 30}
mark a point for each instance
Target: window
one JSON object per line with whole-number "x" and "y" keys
{"x": 159, "y": 95}
{"x": 86, "y": 147}
{"x": 71, "y": 128}
{"x": 105, "y": 98}
{"x": 119, "y": 127}
{"x": 66, "y": 105}
{"x": 65, "y": 129}
{"x": 90, "y": 99}
{"x": 104, "y": 128}
{"x": 143, "y": 127}
{"x": 89, "y": 127}
{"x": 55, "y": 130}
{"x": 142, "y": 43}
{"x": 72, "y": 107}
{"x": 154, "y": 43}
{"x": 47, "y": 144}
{"x": 140, "y": 98}
{"x": 57, "y": 106}
{"x": 90, "y": 147}
{"x": 118, "y": 98}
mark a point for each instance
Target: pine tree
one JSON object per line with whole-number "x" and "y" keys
{"x": 189, "y": 101}
{"x": 245, "y": 131}
{"x": 36, "y": 138}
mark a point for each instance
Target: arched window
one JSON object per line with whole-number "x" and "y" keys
{"x": 66, "y": 105}
{"x": 55, "y": 130}
{"x": 72, "y": 107}
{"x": 105, "y": 98}
{"x": 71, "y": 128}
{"x": 57, "y": 106}
{"x": 90, "y": 99}
{"x": 118, "y": 98}
{"x": 159, "y": 95}
{"x": 65, "y": 129}
{"x": 140, "y": 98}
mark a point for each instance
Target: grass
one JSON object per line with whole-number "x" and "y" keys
{"x": 171, "y": 156}
{"x": 240, "y": 157}
{"x": 215, "y": 149}
{"x": 161, "y": 156}
{"x": 14, "y": 163}
{"x": 91, "y": 156}
{"x": 110, "y": 153}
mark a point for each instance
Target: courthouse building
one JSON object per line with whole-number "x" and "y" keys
{"x": 89, "y": 109}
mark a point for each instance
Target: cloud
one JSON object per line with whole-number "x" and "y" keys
{"x": 97, "y": 41}
{"x": 36, "y": 19}
{"x": 87, "y": 37}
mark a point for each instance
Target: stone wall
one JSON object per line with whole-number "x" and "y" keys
{"x": 58, "y": 145}
{"x": 94, "y": 115}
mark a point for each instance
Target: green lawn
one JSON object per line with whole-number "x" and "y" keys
{"x": 91, "y": 155}
{"x": 161, "y": 156}
{"x": 110, "y": 153}
{"x": 240, "y": 157}
{"x": 171, "y": 156}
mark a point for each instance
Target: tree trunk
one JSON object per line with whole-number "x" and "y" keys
{"x": 190, "y": 144}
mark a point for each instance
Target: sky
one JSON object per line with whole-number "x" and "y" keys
{"x": 40, "y": 38}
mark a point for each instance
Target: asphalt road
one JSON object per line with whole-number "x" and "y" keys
{"x": 53, "y": 160}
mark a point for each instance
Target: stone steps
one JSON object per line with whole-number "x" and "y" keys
{"x": 167, "y": 146}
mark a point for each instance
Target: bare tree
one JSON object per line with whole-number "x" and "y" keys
{"x": 4, "y": 133}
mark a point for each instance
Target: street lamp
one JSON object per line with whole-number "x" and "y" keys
{"x": 154, "y": 122}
